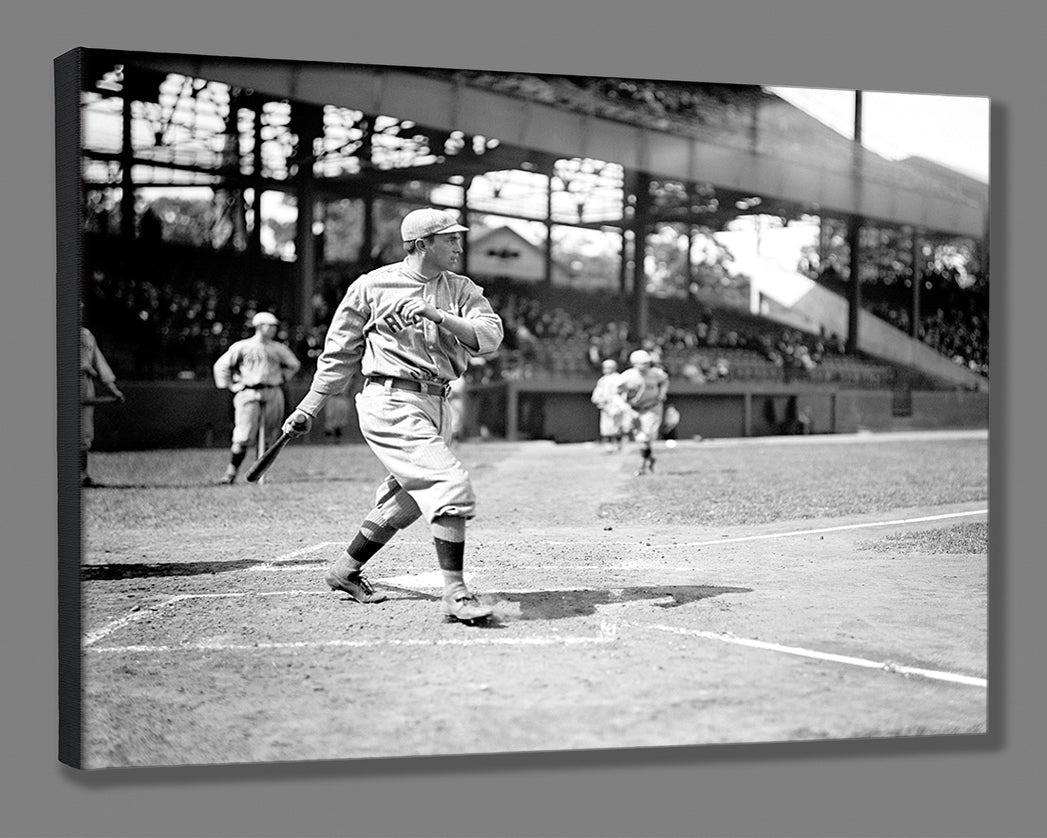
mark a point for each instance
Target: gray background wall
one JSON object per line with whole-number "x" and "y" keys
{"x": 949, "y": 47}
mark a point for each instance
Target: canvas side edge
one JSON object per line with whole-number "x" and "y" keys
{"x": 67, "y": 81}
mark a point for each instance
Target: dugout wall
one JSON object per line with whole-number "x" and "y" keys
{"x": 175, "y": 414}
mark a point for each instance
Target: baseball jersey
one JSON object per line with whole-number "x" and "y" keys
{"x": 367, "y": 336}
{"x": 253, "y": 362}
{"x": 606, "y": 395}
{"x": 644, "y": 389}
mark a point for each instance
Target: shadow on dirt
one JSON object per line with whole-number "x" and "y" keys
{"x": 106, "y": 572}
{"x": 224, "y": 487}
{"x": 560, "y": 605}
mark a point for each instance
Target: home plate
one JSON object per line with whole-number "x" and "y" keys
{"x": 433, "y": 579}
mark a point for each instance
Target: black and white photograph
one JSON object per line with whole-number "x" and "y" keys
{"x": 428, "y": 411}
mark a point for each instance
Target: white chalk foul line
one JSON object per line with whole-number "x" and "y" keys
{"x": 608, "y": 634}
{"x": 473, "y": 640}
{"x": 277, "y": 564}
{"x": 809, "y": 653}
{"x": 787, "y": 534}
{"x": 286, "y": 563}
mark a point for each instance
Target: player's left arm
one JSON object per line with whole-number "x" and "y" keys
{"x": 663, "y": 387}
{"x": 105, "y": 374}
{"x": 225, "y": 369}
{"x": 476, "y": 326}
{"x": 413, "y": 307}
{"x": 289, "y": 363}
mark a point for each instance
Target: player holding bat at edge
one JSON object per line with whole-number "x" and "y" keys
{"x": 409, "y": 329}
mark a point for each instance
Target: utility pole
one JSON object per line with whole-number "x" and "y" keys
{"x": 854, "y": 231}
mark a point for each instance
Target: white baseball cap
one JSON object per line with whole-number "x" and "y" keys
{"x": 420, "y": 223}
{"x": 264, "y": 318}
{"x": 640, "y": 356}
{"x": 610, "y": 364}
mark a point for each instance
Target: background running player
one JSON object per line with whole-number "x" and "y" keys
{"x": 645, "y": 387}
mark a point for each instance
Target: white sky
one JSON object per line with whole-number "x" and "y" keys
{"x": 951, "y": 130}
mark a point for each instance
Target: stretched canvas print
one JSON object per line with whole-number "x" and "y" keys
{"x": 411, "y": 411}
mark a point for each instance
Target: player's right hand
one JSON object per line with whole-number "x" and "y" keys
{"x": 297, "y": 424}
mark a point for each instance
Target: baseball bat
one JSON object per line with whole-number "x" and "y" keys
{"x": 261, "y": 465}
{"x": 96, "y": 400}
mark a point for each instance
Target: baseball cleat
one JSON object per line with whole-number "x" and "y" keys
{"x": 464, "y": 607}
{"x": 356, "y": 585}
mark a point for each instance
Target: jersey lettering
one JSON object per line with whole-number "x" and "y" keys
{"x": 396, "y": 322}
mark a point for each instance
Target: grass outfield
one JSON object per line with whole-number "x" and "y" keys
{"x": 721, "y": 484}
{"x": 711, "y": 484}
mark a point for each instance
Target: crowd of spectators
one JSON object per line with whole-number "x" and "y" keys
{"x": 959, "y": 334}
{"x": 954, "y": 322}
{"x": 540, "y": 339}
{"x": 155, "y": 331}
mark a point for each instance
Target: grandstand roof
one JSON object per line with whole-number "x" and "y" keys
{"x": 973, "y": 189}
{"x": 742, "y": 139}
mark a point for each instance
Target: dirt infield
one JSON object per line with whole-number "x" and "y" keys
{"x": 630, "y": 611}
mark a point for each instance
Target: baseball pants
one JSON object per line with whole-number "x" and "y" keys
{"x": 614, "y": 422}
{"x": 87, "y": 413}
{"x": 250, "y": 408}
{"x": 649, "y": 422}
{"x": 410, "y": 434}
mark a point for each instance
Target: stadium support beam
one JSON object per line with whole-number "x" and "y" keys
{"x": 548, "y": 254}
{"x": 641, "y": 222}
{"x": 465, "y": 221}
{"x": 127, "y": 185}
{"x": 854, "y": 236}
{"x": 308, "y": 124}
{"x": 254, "y": 241}
{"x": 854, "y": 308}
{"x": 917, "y": 281}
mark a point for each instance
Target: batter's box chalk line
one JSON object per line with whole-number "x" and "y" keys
{"x": 610, "y": 632}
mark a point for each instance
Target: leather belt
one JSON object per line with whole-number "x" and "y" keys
{"x": 432, "y": 388}
{"x": 260, "y": 386}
